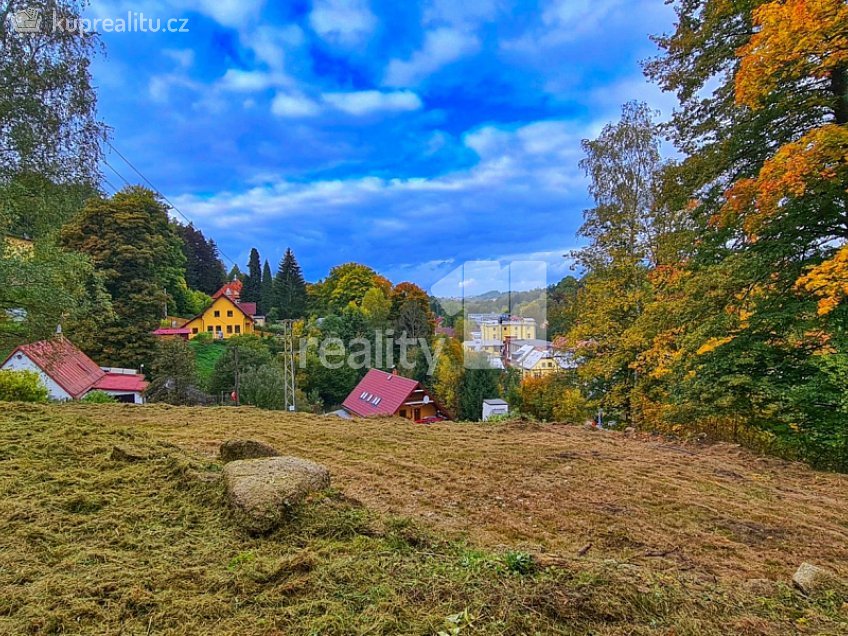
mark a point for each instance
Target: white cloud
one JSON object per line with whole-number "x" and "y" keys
{"x": 530, "y": 170}
{"x": 160, "y": 86}
{"x": 441, "y": 47}
{"x": 233, "y": 13}
{"x": 240, "y": 81}
{"x": 294, "y": 106}
{"x": 365, "y": 102}
{"x": 230, "y": 13}
{"x": 464, "y": 12}
{"x": 183, "y": 57}
{"x": 342, "y": 22}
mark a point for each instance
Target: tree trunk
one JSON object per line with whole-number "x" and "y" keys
{"x": 839, "y": 88}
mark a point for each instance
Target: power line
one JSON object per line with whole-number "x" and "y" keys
{"x": 157, "y": 191}
{"x": 120, "y": 176}
{"x": 110, "y": 184}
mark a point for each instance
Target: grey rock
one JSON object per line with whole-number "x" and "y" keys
{"x": 811, "y": 578}
{"x": 263, "y": 492}
{"x": 236, "y": 449}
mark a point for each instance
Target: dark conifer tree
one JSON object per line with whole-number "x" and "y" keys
{"x": 266, "y": 296}
{"x": 204, "y": 270}
{"x": 290, "y": 288}
{"x": 253, "y": 281}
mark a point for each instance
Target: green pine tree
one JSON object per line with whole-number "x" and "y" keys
{"x": 252, "y": 289}
{"x": 290, "y": 289}
{"x": 266, "y": 295}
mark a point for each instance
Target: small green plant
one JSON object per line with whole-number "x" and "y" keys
{"x": 519, "y": 563}
{"x": 240, "y": 559}
{"x": 98, "y": 397}
{"x": 22, "y": 386}
{"x": 455, "y": 623}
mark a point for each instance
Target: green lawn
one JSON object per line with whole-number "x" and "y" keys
{"x": 206, "y": 354}
{"x": 92, "y": 545}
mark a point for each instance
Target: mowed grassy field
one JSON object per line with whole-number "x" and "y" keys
{"x": 454, "y": 528}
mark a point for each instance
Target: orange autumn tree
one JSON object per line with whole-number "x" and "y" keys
{"x": 801, "y": 41}
{"x": 757, "y": 329}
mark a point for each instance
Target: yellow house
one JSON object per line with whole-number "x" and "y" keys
{"x": 224, "y": 318}
{"x": 538, "y": 363}
{"x": 512, "y": 327}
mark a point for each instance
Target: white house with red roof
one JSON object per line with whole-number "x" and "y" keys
{"x": 386, "y": 394}
{"x": 69, "y": 374}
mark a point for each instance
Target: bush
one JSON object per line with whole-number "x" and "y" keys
{"x": 98, "y": 397}
{"x": 22, "y": 386}
{"x": 263, "y": 387}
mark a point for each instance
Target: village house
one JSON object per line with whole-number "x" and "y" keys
{"x": 385, "y": 394}
{"x": 69, "y": 374}
{"x": 508, "y": 327}
{"x": 226, "y": 317}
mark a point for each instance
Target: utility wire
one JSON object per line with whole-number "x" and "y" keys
{"x": 157, "y": 191}
{"x": 120, "y": 176}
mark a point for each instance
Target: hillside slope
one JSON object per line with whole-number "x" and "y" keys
{"x": 424, "y": 523}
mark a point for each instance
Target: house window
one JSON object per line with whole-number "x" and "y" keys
{"x": 194, "y": 330}
{"x": 218, "y": 328}
{"x": 402, "y": 413}
{"x": 229, "y": 313}
{"x": 211, "y": 329}
{"x": 229, "y": 329}
{"x": 238, "y": 328}
{"x": 217, "y": 314}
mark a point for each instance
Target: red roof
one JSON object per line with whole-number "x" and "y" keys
{"x": 172, "y": 332}
{"x": 248, "y": 308}
{"x": 234, "y": 289}
{"x": 66, "y": 365}
{"x": 389, "y": 391}
{"x": 74, "y": 371}
{"x": 121, "y": 382}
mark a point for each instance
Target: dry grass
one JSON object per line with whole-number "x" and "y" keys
{"x": 678, "y": 533}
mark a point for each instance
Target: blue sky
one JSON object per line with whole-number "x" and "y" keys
{"x": 410, "y": 136}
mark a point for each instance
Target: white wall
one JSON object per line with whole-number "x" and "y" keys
{"x": 21, "y": 362}
{"x": 139, "y": 399}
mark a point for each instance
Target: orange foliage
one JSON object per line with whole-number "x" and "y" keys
{"x": 828, "y": 281}
{"x": 818, "y": 157}
{"x": 797, "y": 39}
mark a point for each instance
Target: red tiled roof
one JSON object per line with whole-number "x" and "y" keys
{"x": 172, "y": 332}
{"x": 248, "y": 308}
{"x": 391, "y": 391}
{"x": 121, "y": 382}
{"x": 234, "y": 287}
{"x": 69, "y": 367}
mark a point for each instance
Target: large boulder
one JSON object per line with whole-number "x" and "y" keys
{"x": 236, "y": 449}
{"x": 264, "y": 491}
{"x": 811, "y": 579}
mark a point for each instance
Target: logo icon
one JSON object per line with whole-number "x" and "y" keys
{"x": 27, "y": 20}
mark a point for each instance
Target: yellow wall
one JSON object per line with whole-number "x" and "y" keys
{"x": 229, "y": 321}
{"x": 544, "y": 367}
{"x": 427, "y": 410}
{"x": 518, "y": 330}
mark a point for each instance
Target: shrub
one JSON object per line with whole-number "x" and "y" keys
{"x": 263, "y": 387}
{"x": 22, "y": 386}
{"x": 98, "y": 397}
